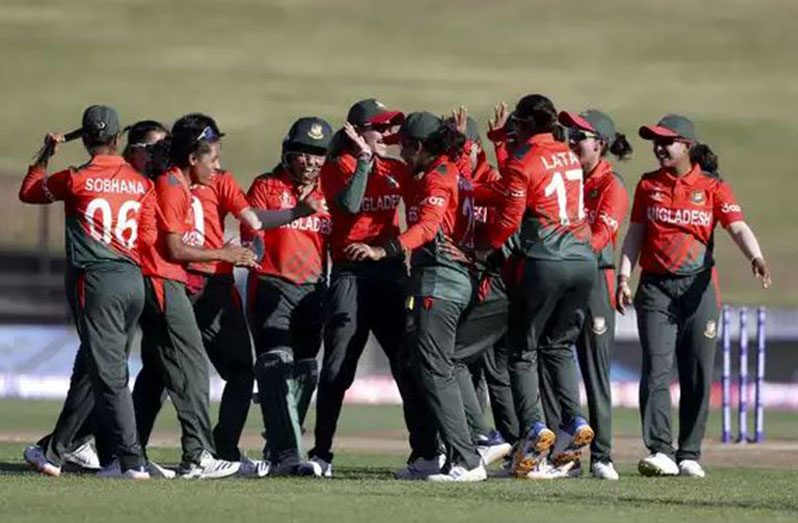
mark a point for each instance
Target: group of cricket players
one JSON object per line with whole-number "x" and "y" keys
{"x": 485, "y": 286}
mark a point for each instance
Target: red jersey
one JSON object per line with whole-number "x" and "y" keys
{"x": 174, "y": 216}
{"x": 606, "y": 203}
{"x": 542, "y": 182}
{"x": 680, "y": 214}
{"x": 210, "y": 204}
{"x": 296, "y": 251}
{"x": 109, "y": 208}
{"x": 484, "y": 214}
{"x": 378, "y": 219}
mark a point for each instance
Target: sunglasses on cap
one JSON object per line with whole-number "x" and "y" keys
{"x": 577, "y": 135}
{"x": 666, "y": 141}
{"x": 208, "y": 134}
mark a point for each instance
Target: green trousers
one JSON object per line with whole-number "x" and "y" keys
{"x": 594, "y": 352}
{"x": 546, "y": 316}
{"x": 172, "y": 351}
{"x": 106, "y": 301}
{"x": 225, "y": 336}
{"x": 677, "y": 318}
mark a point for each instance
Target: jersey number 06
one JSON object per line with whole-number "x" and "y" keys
{"x": 124, "y": 228}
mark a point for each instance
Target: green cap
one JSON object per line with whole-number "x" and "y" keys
{"x": 592, "y": 121}
{"x": 420, "y": 126}
{"x": 100, "y": 121}
{"x": 371, "y": 111}
{"x": 310, "y": 133}
{"x": 671, "y": 126}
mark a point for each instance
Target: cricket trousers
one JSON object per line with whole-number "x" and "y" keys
{"x": 364, "y": 297}
{"x": 286, "y": 321}
{"x": 481, "y": 355}
{"x": 173, "y": 356}
{"x": 433, "y": 324}
{"x": 225, "y": 336}
{"x": 546, "y": 316}
{"x": 677, "y": 317}
{"x": 594, "y": 348}
{"x": 106, "y": 302}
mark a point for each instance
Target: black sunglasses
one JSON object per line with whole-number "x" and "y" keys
{"x": 577, "y": 135}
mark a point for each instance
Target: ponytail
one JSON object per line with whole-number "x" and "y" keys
{"x": 47, "y": 150}
{"x": 620, "y": 147}
{"x": 702, "y": 155}
{"x": 159, "y": 155}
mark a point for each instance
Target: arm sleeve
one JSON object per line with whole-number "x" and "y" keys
{"x": 172, "y": 208}
{"x": 514, "y": 183}
{"x": 638, "y": 207}
{"x": 148, "y": 228}
{"x": 609, "y": 215}
{"x": 37, "y": 187}
{"x": 351, "y": 197}
{"x": 231, "y": 196}
{"x": 437, "y": 193}
{"x": 726, "y": 209}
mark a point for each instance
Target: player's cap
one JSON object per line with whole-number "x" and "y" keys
{"x": 308, "y": 134}
{"x": 592, "y": 121}
{"x": 420, "y": 125}
{"x": 100, "y": 121}
{"x": 671, "y": 126}
{"x": 371, "y": 111}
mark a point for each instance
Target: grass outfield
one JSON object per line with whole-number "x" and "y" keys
{"x": 258, "y": 64}
{"x": 364, "y": 491}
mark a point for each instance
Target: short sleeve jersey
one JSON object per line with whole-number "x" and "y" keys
{"x": 378, "y": 218}
{"x": 606, "y": 204}
{"x": 210, "y": 205}
{"x": 296, "y": 251}
{"x": 108, "y": 205}
{"x": 174, "y": 216}
{"x": 680, "y": 214}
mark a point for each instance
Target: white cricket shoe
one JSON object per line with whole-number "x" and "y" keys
{"x": 157, "y": 471}
{"x": 254, "y": 468}
{"x": 657, "y": 464}
{"x": 321, "y": 468}
{"x": 691, "y": 468}
{"x": 209, "y": 468}
{"x": 421, "y": 468}
{"x": 461, "y": 475}
{"x": 84, "y": 456}
{"x": 604, "y": 470}
{"x": 34, "y": 456}
{"x": 492, "y": 448}
{"x": 114, "y": 471}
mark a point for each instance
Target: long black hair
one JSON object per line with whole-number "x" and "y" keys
{"x": 701, "y": 154}
{"x": 619, "y": 147}
{"x": 189, "y": 137}
{"x": 536, "y": 114}
{"x": 447, "y": 140}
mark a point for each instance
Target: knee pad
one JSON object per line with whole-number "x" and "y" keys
{"x": 276, "y": 365}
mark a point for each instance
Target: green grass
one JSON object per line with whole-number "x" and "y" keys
{"x": 258, "y": 64}
{"x": 363, "y": 489}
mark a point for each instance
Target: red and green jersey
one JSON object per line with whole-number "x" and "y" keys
{"x": 543, "y": 187}
{"x": 378, "y": 219}
{"x": 296, "y": 251}
{"x": 680, "y": 214}
{"x": 606, "y": 203}
{"x": 440, "y": 207}
{"x": 174, "y": 216}
{"x": 210, "y": 204}
{"x": 109, "y": 209}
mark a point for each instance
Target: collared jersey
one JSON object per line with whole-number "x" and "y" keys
{"x": 440, "y": 208}
{"x": 680, "y": 214}
{"x": 296, "y": 251}
{"x": 174, "y": 217}
{"x": 606, "y": 203}
{"x": 378, "y": 219}
{"x": 108, "y": 205}
{"x": 542, "y": 183}
{"x": 210, "y": 204}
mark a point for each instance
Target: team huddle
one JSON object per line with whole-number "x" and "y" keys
{"x": 476, "y": 280}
